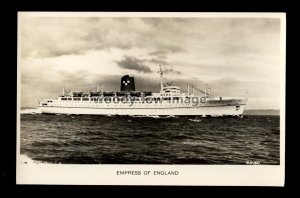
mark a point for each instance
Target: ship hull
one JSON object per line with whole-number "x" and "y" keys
{"x": 215, "y": 111}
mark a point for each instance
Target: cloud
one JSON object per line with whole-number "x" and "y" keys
{"x": 256, "y": 89}
{"x": 71, "y": 35}
{"x": 158, "y": 61}
{"x": 55, "y": 36}
{"x": 133, "y": 63}
{"x": 166, "y": 49}
{"x": 66, "y": 36}
{"x": 159, "y": 53}
{"x": 171, "y": 71}
{"x": 171, "y": 48}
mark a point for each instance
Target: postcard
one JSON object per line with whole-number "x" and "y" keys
{"x": 165, "y": 98}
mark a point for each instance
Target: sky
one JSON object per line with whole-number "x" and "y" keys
{"x": 236, "y": 57}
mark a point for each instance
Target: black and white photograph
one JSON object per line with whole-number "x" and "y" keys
{"x": 151, "y": 98}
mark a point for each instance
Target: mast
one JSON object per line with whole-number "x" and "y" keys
{"x": 64, "y": 91}
{"x": 161, "y": 78}
{"x": 193, "y": 90}
{"x": 188, "y": 89}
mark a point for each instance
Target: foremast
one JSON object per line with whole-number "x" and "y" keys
{"x": 161, "y": 78}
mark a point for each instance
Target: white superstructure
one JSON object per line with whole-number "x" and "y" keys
{"x": 168, "y": 102}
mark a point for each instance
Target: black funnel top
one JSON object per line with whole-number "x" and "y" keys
{"x": 127, "y": 83}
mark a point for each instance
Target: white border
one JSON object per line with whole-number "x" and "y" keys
{"x": 192, "y": 175}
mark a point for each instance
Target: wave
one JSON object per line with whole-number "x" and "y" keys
{"x": 30, "y": 111}
{"x": 194, "y": 120}
{"x": 24, "y": 159}
{"x": 182, "y": 140}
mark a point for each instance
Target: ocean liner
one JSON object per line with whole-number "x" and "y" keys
{"x": 170, "y": 101}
